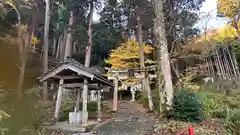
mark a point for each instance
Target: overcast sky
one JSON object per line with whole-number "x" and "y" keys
{"x": 208, "y": 16}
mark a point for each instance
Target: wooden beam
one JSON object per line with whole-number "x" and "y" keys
{"x": 78, "y": 85}
{"x": 70, "y": 77}
{"x": 126, "y": 77}
{"x": 125, "y": 70}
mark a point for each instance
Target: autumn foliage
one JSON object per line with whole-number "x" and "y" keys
{"x": 228, "y": 7}
{"x": 127, "y": 54}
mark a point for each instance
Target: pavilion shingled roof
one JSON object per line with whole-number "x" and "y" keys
{"x": 77, "y": 64}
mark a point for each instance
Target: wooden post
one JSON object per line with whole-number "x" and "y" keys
{"x": 212, "y": 68}
{"x": 208, "y": 69}
{"x": 217, "y": 67}
{"x": 220, "y": 65}
{"x": 78, "y": 99}
{"x": 115, "y": 94}
{"x": 99, "y": 110}
{"x": 59, "y": 99}
{"x": 232, "y": 67}
{"x": 235, "y": 64}
{"x": 226, "y": 63}
{"x": 232, "y": 63}
{"x": 85, "y": 102}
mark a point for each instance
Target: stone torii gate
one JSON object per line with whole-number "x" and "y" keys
{"x": 117, "y": 74}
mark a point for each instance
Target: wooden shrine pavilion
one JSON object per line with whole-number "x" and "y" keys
{"x": 71, "y": 74}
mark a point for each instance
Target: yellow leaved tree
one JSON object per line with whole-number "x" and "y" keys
{"x": 127, "y": 55}
{"x": 224, "y": 33}
{"x": 228, "y": 7}
{"x": 34, "y": 40}
{"x": 231, "y": 9}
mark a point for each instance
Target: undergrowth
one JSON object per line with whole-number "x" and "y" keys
{"x": 223, "y": 109}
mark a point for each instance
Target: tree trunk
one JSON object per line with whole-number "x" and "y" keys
{"x": 24, "y": 44}
{"x": 22, "y": 61}
{"x": 58, "y": 46}
{"x": 54, "y": 46}
{"x": 145, "y": 83}
{"x": 74, "y": 47}
{"x": 162, "y": 49}
{"x": 45, "y": 53}
{"x": 68, "y": 50}
{"x": 26, "y": 37}
{"x": 20, "y": 35}
{"x": 20, "y": 49}
{"x": 87, "y": 64}
{"x": 68, "y": 47}
{"x": 63, "y": 46}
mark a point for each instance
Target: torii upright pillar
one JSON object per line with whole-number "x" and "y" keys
{"x": 115, "y": 94}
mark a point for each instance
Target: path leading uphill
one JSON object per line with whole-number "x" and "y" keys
{"x": 131, "y": 119}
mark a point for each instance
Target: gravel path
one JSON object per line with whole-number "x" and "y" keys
{"x": 129, "y": 120}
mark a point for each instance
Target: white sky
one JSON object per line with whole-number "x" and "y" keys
{"x": 208, "y": 16}
{"x": 96, "y": 16}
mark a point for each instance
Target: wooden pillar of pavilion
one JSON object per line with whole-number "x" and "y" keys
{"x": 59, "y": 99}
{"x": 85, "y": 102}
{"x": 78, "y": 99}
{"x": 72, "y": 71}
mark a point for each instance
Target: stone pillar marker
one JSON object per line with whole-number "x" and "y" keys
{"x": 133, "y": 92}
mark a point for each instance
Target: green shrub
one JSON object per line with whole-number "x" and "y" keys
{"x": 233, "y": 123}
{"x": 215, "y": 103}
{"x": 223, "y": 106}
{"x": 65, "y": 109}
{"x": 144, "y": 100}
{"x": 92, "y": 106}
{"x": 187, "y": 106}
{"x": 138, "y": 95}
{"x": 63, "y": 114}
{"x": 4, "y": 131}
